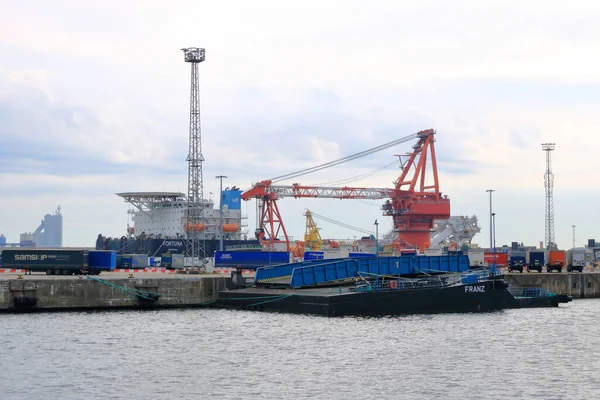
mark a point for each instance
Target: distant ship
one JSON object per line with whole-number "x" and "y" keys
{"x": 159, "y": 224}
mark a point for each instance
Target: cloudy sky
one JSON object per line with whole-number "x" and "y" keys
{"x": 94, "y": 100}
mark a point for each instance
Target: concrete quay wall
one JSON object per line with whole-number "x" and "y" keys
{"x": 64, "y": 293}
{"x": 576, "y": 285}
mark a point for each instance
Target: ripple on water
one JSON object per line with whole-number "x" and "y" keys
{"x": 222, "y": 354}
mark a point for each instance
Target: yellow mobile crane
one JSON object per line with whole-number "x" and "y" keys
{"x": 312, "y": 237}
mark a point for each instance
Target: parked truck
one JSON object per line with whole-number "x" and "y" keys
{"x": 556, "y": 260}
{"x": 576, "y": 259}
{"x": 516, "y": 263}
{"x": 58, "y": 261}
{"x": 536, "y": 261}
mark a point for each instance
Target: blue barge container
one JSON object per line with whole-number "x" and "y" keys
{"x": 319, "y": 272}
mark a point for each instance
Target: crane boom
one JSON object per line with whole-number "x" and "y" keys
{"x": 265, "y": 189}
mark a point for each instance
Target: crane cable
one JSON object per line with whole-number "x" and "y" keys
{"x": 354, "y": 228}
{"x": 357, "y": 177}
{"x": 344, "y": 159}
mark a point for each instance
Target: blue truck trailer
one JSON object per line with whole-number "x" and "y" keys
{"x": 536, "y": 261}
{"x": 516, "y": 263}
{"x": 57, "y": 261}
{"x": 102, "y": 260}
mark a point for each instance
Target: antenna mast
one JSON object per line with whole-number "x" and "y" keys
{"x": 549, "y": 184}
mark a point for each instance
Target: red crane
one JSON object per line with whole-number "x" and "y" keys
{"x": 415, "y": 205}
{"x": 412, "y": 207}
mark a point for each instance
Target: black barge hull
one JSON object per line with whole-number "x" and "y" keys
{"x": 333, "y": 302}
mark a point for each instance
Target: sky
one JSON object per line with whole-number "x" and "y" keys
{"x": 94, "y": 100}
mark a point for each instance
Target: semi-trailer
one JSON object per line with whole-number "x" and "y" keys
{"x": 576, "y": 259}
{"x": 59, "y": 261}
{"x": 556, "y": 260}
{"x": 517, "y": 263}
{"x": 536, "y": 261}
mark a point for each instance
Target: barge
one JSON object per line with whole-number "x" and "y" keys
{"x": 383, "y": 286}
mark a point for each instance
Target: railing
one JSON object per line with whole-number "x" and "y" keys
{"x": 383, "y": 284}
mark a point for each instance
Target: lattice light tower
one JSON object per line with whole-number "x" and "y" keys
{"x": 549, "y": 184}
{"x": 195, "y": 212}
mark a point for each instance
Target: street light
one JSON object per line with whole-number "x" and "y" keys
{"x": 220, "y": 178}
{"x": 490, "y": 191}
{"x": 494, "y": 239}
{"x": 376, "y": 238}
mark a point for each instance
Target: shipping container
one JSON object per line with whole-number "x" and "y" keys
{"x": 314, "y": 255}
{"x": 135, "y": 261}
{"x": 173, "y": 261}
{"x": 476, "y": 257}
{"x": 104, "y": 260}
{"x": 251, "y": 258}
{"x": 501, "y": 259}
{"x": 52, "y": 261}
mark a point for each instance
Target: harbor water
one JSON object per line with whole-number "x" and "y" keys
{"x": 548, "y": 353}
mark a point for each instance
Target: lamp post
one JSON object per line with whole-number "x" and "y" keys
{"x": 376, "y": 238}
{"x": 220, "y": 178}
{"x": 490, "y": 191}
{"x": 573, "y": 235}
{"x": 494, "y": 235}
